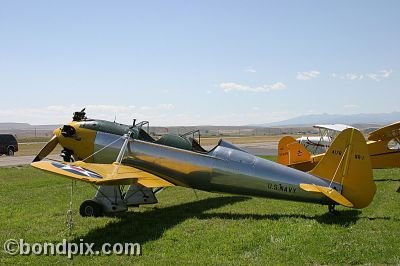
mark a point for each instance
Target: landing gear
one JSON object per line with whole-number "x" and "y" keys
{"x": 67, "y": 155}
{"x": 90, "y": 208}
{"x": 112, "y": 199}
{"x": 332, "y": 211}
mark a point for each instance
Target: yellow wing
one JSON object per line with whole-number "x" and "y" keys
{"x": 103, "y": 174}
{"x": 385, "y": 133}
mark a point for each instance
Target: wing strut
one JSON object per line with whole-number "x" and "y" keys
{"x": 121, "y": 154}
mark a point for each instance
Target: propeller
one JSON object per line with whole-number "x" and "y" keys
{"x": 47, "y": 149}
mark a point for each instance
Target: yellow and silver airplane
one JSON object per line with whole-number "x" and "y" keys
{"x": 383, "y": 148}
{"x": 111, "y": 155}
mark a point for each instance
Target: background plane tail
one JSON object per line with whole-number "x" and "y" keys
{"x": 347, "y": 162}
{"x": 291, "y": 152}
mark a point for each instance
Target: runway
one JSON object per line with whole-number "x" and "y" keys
{"x": 20, "y": 160}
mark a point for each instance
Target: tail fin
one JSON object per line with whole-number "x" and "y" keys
{"x": 291, "y": 152}
{"x": 347, "y": 162}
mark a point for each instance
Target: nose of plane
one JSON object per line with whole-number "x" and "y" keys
{"x": 76, "y": 139}
{"x": 77, "y": 142}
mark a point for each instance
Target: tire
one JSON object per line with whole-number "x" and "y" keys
{"x": 10, "y": 152}
{"x": 90, "y": 208}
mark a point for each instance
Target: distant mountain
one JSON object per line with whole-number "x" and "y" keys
{"x": 14, "y": 125}
{"x": 25, "y": 126}
{"x": 309, "y": 120}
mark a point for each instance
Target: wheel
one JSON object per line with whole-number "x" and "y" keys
{"x": 90, "y": 208}
{"x": 332, "y": 211}
{"x": 10, "y": 152}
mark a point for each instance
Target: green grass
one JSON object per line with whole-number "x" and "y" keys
{"x": 208, "y": 229}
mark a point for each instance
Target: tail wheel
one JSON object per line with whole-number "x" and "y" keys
{"x": 10, "y": 152}
{"x": 90, "y": 208}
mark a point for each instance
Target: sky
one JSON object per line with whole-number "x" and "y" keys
{"x": 197, "y": 62}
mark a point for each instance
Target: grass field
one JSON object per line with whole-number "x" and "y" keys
{"x": 33, "y": 148}
{"x": 202, "y": 229}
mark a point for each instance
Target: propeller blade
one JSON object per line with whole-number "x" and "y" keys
{"x": 49, "y": 147}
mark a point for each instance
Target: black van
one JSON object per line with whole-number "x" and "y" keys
{"x": 8, "y": 144}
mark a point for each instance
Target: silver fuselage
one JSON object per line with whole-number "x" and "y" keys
{"x": 225, "y": 168}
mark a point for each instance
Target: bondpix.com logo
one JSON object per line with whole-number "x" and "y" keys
{"x": 65, "y": 248}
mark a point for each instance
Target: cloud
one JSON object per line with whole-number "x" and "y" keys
{"x": 59, "y": 114}
{"x": 352, "y": 76}
{"x": 158, "y": 115}
{"x": 232, "y": 86}
{"x": 378, "y": 76}
{"x": 250, "y": 69}
{"x": 308, "y": 75}
{"x": 386, "y": 73}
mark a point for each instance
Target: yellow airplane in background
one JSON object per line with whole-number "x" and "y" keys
{"x": 383, "y": 148}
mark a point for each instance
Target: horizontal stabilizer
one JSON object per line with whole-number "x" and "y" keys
{"x": 103, "y": 174}
{"x": 329, "y": 192}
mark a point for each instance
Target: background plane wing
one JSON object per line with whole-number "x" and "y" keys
{"x": 386, "y": 132}
{"x": 103, "y": 174}
{"x": 334, "y": 127}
